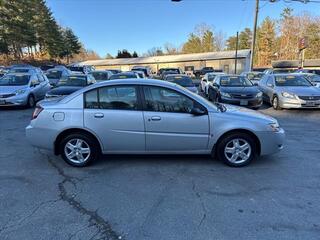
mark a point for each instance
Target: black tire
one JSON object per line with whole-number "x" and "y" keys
{"x": 89, "y": 141}
{"x": 275, "y": 103}
{"x": 222, "y": 144}
{"x": 31, "y": 101}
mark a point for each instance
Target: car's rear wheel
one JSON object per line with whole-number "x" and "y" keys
{"x": 237, "y": 149}
{"x": 31, "y": 101}
{"x": 79, "y": 149}
{"x": 275, "y": 103}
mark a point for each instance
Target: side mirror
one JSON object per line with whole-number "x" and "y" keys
{"x": 34, "y": 84}
{"x": 255, "y": 84}
{"x": 215, "y": 85}
{"x": 197, "y": 111}
{"x": 270, "y": 85}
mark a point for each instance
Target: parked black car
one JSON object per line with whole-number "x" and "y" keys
{"x": 70, "y": 84}
{"x": 202, "y": 71}
{"x": 235, "y": 89}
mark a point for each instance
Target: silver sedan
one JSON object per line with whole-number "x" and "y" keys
{"x": 137, "y": 116}
{"x": 289, "y": 91}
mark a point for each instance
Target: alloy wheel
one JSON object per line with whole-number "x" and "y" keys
{"x": 77, "y": 150}
{"x": 237, "y": 150}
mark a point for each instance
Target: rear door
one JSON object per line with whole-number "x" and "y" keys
{"x": 170, "y": 127}
{"x": 114, "y": 114}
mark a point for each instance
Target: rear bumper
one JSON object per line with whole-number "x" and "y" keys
{"x": 42, "y": 138}
{"x": 271, "y": 142}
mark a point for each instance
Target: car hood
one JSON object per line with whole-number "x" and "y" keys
{"x": 301, "y": 91}
{"x": 240, "y": 90}
{"x": 248, "y": 113}
{"x": 11, "y": 89}
{"x": 64, "y": 90}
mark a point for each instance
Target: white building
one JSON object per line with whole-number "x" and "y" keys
{"x": 224, "y": 60}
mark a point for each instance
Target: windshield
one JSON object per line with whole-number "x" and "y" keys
{"x": 183, "y": 81}
{"x": 19, "y": 70}
{"x": 100, "y": 76}
{"x": 54, "y": 74}
{"x": 211, "y": 77}
{"x": 313, "y": 78}
{"x": 291, "y": 80}
{"x": 14, "y": 80}
{"x": 123, "y": 76}
{"x": 234, "y": 81}
{"x": 74, "y": 81}
{"x": 255, "y": 76}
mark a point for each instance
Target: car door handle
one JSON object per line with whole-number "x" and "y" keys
{"x": 98, "y": 115}
{"x": 155, "y": 118}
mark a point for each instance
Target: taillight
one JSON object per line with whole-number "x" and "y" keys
{"x": 36, "y": 112}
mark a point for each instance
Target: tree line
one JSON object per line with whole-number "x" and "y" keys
{"x": 28, "y": 29}
{"x": 277, "y": 39}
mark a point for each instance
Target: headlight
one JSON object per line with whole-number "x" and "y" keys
{"x": 289, "y": 95}
{"x": 259, "y": 94}
{"x": 20, "y": 91}
{"x": 224, "y": 94}
{"x": 274, "y": 127}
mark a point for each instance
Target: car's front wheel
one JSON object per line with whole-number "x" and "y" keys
{"x": 31, "y": 101}
{"x": 237, "y": 149}
{"x": 275, "y": 103}
{"x": 79, "y": 149}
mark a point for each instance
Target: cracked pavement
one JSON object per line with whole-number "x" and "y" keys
{"x": 161, "y": 197}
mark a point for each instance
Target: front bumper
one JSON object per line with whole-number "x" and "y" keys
{"x": 271, "y": 142}
{"x": 251, "y": 102}
{"x": 18, "y": 100}
{"x": 298, "y": 103}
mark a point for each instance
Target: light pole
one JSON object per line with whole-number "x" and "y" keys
{"x": 253, "y": 43}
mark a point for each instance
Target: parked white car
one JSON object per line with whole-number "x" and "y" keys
{"x": 207, "y": 80}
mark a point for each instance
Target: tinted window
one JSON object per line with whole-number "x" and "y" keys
{"x": 159, "y": 99}
{"x": 79, "y": 81}
{"x": 91, "y": 99}
{"x": 121, "y": 98}
{"x": 183, "y": 81}
{"x": 313, "y": 78}
{"x": 122, "y": 76}
{"x": 100, "y": 76}
{"x": 14, "y": 80}
{"x": 234, "y": 81}
{"x": 54, "y": 74}
{"x": 291, "y": 80}
{"x": 270, "y": 80}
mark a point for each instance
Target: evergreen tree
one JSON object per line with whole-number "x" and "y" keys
{"x": 193, "y": 45}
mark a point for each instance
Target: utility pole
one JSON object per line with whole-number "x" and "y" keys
{"x": 253, "y": 43}
{"x": 236, "y": 57}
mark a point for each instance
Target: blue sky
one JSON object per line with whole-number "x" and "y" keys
{"x": 108, "y": 25}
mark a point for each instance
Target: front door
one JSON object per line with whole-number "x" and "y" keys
{"x": 114, "y": 115}
{"x": 170, "y": 127}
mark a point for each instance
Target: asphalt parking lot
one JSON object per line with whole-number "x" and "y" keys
{"x": 161, "y": 197}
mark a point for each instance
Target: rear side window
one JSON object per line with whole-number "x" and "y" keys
{"x": 115, "y": 97}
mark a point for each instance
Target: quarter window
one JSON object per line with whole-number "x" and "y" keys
{"x": 119, "y": 98}
{"x": 159, "y": 99}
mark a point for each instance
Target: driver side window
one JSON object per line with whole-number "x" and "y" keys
{"x": 158, "y": 99}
